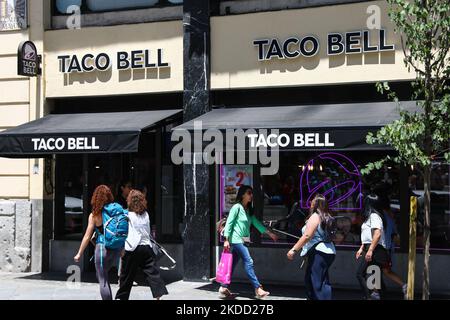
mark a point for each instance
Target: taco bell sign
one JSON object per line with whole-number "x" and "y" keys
{"x": 28, "y": 63}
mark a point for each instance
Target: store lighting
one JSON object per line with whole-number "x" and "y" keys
{"x": 97, "y": 167}
{"x": 321, "y": 168}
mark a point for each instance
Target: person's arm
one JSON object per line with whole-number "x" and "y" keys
{"x": 229, "y": 225}
{"x": 311, "y": 227}
{"x": 262, "y": 229}
{"x": 376, "y": 236}
{"x": 86, "y": 238}
{"x": 360, "y": 251}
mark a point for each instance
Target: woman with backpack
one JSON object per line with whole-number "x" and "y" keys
{"x": 139, "y": 252}
{"x": 237, "y": 238}
{"x": 319, "y": 250}
{"x": 107, "y": 255}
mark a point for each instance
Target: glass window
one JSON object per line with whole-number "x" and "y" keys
{"x": 232, "y": 177}
{"x": 111, "y": 5}
{"x": 287, "y": 196}
{"x": 172, "y": 183}
{"x": 440, "y": 205}
{"x": 70, "y": 223}
{"x": 63, "y": 5}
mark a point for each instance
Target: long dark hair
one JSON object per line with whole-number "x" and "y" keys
{"x": 319, "y": 205}
{"x": 373, "y": 204}
{"x": 240, "y": 196}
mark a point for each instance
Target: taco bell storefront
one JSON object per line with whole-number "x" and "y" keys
{"x": 112, "y": 95}
{"x": 310, "y": 75}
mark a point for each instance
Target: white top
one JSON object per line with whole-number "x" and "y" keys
{"x": 374, "y": 222}
{"x": 141, "y": 223}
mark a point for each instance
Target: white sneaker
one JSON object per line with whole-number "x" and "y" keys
{"x": 405, "y": 291}
{"x": 375, "y": 295}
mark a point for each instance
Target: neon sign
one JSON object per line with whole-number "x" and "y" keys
{"x": 336, "y": 177}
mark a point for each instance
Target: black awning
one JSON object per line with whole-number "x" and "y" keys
{"x": 117, "y": 132}
{"x": 344, "y": 125}
{"x": 352, "y": 115}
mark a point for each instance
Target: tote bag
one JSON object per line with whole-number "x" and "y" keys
{"x": 133, "y": 238}
{"x": 223, "y": 274}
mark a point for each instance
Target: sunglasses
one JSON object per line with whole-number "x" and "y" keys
{"x": 249, "y": 192}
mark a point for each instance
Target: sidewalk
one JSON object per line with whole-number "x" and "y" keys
{"x": 32, "y": 286}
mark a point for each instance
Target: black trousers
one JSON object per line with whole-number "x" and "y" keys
{"x": 141, "y": 258}
{"x": 361, "y": 273}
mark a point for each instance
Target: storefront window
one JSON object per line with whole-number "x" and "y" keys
{"x": 63, "y": 6}
{"x": 172, "y": 182}
{"x": 440, "y": 205}
{"x": 108, "y": 5}
{"x": 232, "y": 177}
{"x": 69, "y": 215}
{"x": 287, "y": 196}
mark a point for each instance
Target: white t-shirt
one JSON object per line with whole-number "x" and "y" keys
{"x": 374, "y": 222}
{"x": 141, "y": 223}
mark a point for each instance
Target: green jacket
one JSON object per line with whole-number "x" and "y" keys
{"x": 238, "y": 224}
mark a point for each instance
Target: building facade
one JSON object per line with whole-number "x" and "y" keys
{"x": 117, "y": 80}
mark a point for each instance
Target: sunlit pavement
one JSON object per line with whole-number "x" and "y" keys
{"x": 32, "y": 286}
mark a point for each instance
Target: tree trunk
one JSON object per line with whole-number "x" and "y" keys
{"x": 426, "y": 234}
{"x": 412, "y": 248}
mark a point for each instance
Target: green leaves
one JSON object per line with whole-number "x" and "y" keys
{"x": 418, "y": 137}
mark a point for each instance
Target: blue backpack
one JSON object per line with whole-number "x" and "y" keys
{"x": 115, "y": 226}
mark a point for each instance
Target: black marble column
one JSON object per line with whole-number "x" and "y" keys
{"x": 196, "y": 235}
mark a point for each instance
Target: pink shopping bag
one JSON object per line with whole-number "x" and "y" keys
{"x": 223, "y": 274}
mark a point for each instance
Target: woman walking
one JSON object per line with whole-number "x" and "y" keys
{"x": 319, "y": 250}
{"x": 138, "y": 250}
{"x": 105, "y": 259}
{"x": 373, "y": 249}
{"x": 237, "y": 238}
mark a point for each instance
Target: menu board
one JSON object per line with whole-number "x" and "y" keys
{"x": 234, "y": 176}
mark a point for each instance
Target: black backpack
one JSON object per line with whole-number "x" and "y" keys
{"x": 330, "y": 228}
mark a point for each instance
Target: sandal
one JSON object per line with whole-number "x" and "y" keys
{"x": 224, "y": 293}
{"x": 261, "y": 296}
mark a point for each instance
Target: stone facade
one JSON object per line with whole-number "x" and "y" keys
{"x": 15, "y": 235}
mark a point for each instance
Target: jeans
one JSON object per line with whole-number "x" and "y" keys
{"x": 239, "y": 250}
{"x": 317, "y": 280}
